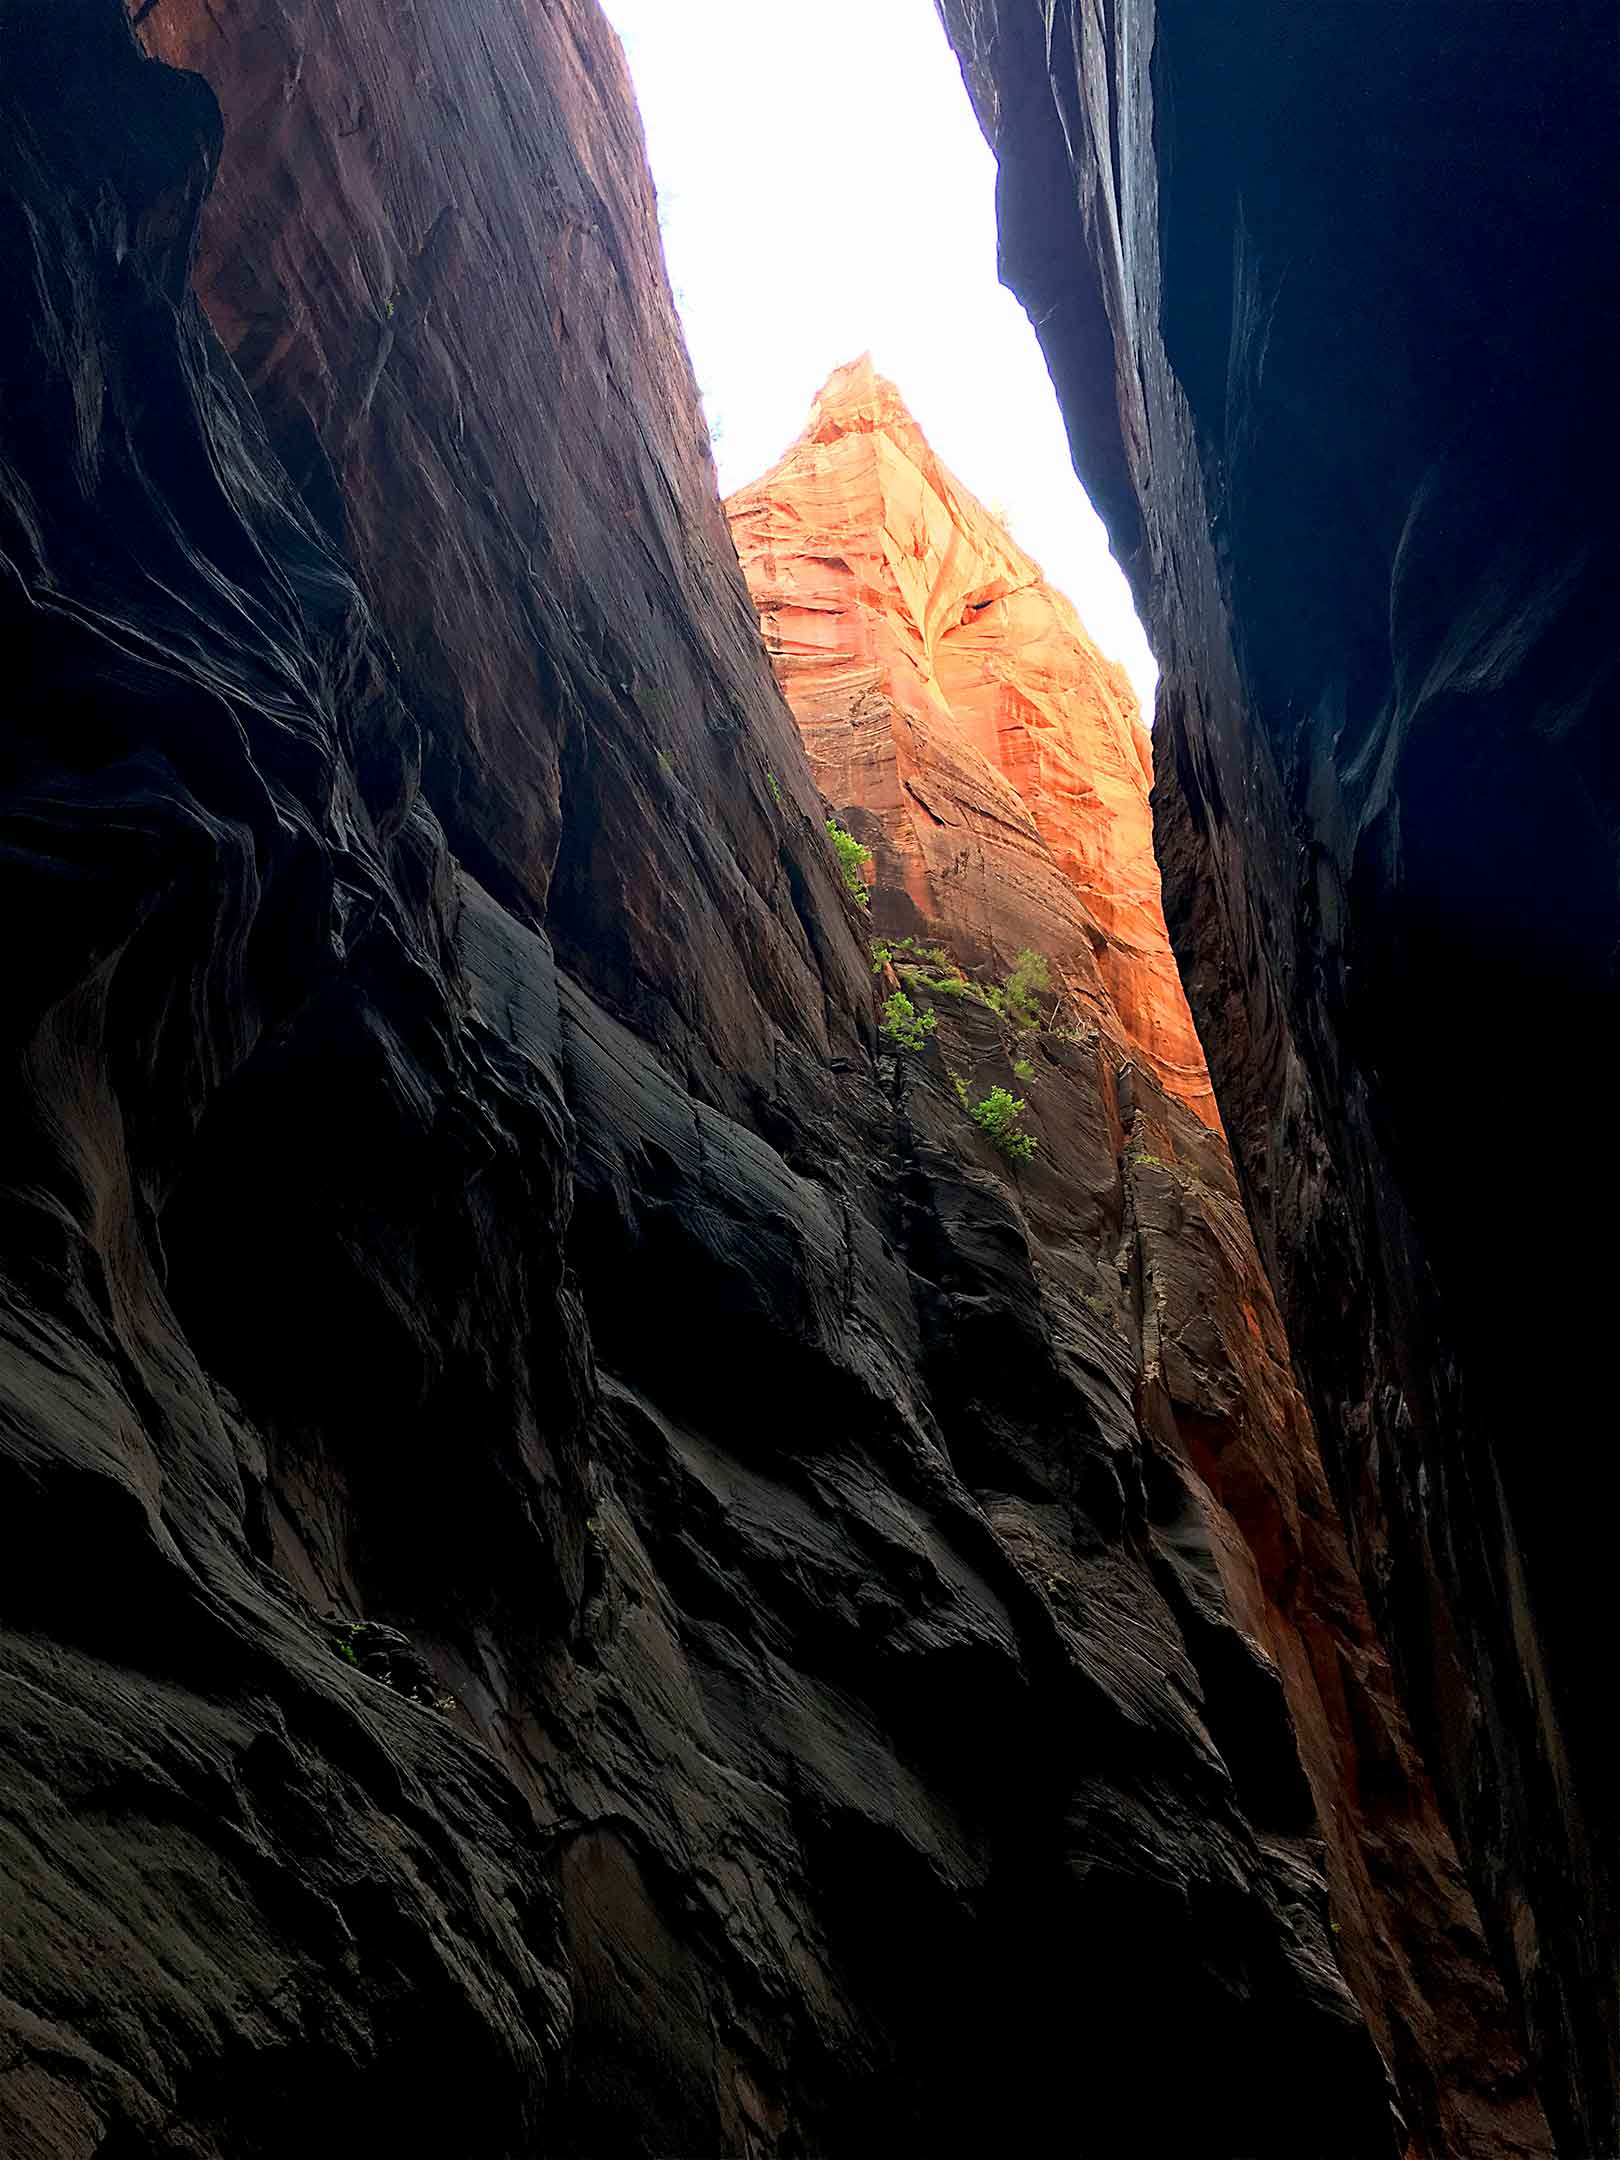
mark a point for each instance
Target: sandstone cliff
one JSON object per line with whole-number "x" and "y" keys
{"x": 586, "y": 1567}
{"x": 946, "y": 692}
{"x": 960, "y": 722}
{"x": 1332, "y": 301}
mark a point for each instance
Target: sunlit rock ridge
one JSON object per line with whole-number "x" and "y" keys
{"x": 950, "y": 695}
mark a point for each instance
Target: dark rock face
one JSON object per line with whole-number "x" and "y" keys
{"x": 1329, "y": 295}
{"x": 584, "y": 1569}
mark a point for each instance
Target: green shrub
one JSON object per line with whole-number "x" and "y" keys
{"x": 1023, "y": 1068}
{"x": 905, "y": 952}
{"x": 776, "y": 792}
{"x": 904, "y": 1026}
{"x": 997, "y": 1117}
{"x": 854, "y": 861}
{"x": 1029, "y": 977}
{"x": 953, "y": 986}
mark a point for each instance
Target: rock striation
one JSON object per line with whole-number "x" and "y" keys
{"x": 947, "y": 693}
{"x": 959, "y": 721}
{"x": 1332, "y": 302}
{"x": 586, "y": 1567}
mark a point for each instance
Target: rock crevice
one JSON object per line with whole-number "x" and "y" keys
{"x": 1296, "y": 275}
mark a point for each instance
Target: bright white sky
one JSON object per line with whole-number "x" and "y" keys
{"x": 824, "y": 191}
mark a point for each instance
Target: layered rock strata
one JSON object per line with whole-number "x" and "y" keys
{"x": 586, "y": 1569}
{"x": 1331, "y": 300}
{"x": 950, "y": 696}
{"x": 961, "y": 723}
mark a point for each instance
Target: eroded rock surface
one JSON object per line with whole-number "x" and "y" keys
{"x": 961, "y": 769}
{"x": 1330, "y": 298}
{"x": 946, "y": 692}
{"x": 585, "y": 1567}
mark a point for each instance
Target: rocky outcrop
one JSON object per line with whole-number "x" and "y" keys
{"x": 952, "y": 703}
{"x": 1337, "y": 365}
{"x": 953, "y": 708}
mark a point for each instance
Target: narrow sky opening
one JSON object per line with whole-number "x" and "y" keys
{"x": 824, "y": 191}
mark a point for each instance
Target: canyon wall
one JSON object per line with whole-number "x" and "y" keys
{"x": 1329, "y": 297}
{"x": 951, "y": 702}
{"x": 959, "y": 720}
{"x": 586, "y": 1566}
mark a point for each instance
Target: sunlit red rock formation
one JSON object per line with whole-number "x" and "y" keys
{"x": 961, "y": 722}
{"x": 944, "y": 688}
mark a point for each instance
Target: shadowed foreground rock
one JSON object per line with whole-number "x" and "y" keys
{"x": 1330, "y": 298}
{"x": 585, "y": 1568}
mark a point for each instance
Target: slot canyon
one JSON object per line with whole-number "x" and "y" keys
{"x": 766, "y": 1388}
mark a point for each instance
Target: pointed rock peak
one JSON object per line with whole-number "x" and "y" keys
{"x": 952, "y": 699}
{"x": 856, "y": 400}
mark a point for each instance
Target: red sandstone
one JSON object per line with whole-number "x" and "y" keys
{"x": 946, "y": 689}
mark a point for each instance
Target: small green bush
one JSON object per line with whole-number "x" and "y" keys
{"x": 1029, "y": 977}
{"x": 854, "y": 861}
{"x": 776, "y": 792}
{"x": 886, "y": 949}
{"x": 1023, "y": 1068}
{"x": 904, "y": 1026}
{"x": 997, "y": 1117}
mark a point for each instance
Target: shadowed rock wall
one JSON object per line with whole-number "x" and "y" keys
{"x": 585, "y": 1568}
{"x": 1329, "y": 297}
{"x": 951, "y": 700}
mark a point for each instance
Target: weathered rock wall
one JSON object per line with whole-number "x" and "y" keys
{"x": 568, "y": 1581}
{"x": 432, "y": 251}
{"x": 584, "y": 1567}
{"x": 951, "y": 699}
{"x": 1329, "y": 296}
{"x": 959, "y": 720}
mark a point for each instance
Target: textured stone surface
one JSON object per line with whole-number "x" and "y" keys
{"x": 585, "y": 1568}
{"x": 1330, "y": 299}
{"x": 432, "y": 251}
{"x": 948, "y": 693}
{"x": 859, "y": 548}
